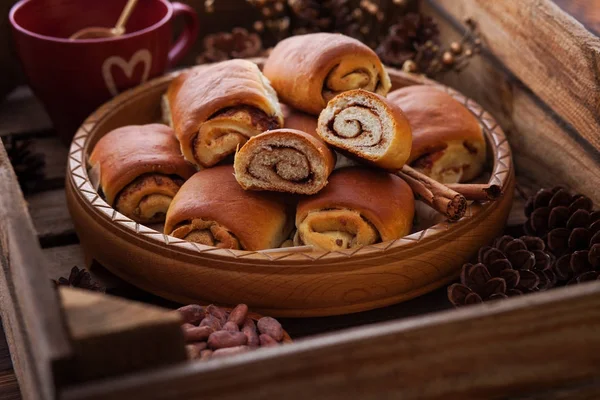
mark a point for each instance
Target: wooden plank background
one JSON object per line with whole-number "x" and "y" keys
{"x": 506, "y": 92}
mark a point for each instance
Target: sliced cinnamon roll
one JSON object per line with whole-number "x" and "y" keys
{"x": 216, "y": 108}
{"x": 309, "y": 70}
{"x": 212, "y": 209}
{"x": 358, "y": 207}
{"x": 448, "y": 142}
{"x": 368, "y": 127}
{"x": 141, "y": 170}
{"x": 284, "y": 160}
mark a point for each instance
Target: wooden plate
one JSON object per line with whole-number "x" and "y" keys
{"x": 280, "y": 282}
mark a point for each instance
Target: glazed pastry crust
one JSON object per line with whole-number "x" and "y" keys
{"x": 298, "y": 120}
{"x": 384, "y": 200}
{"x": 200, "y": 94}
{"x": 258, "y": 220}
{"x": 440, "y": 124}
{"x": 127, "y": 153}
{"x": 323, "y": 65}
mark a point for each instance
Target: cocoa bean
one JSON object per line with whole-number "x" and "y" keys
{"x": 267, "y": 341}
{"x": 197, "y": 333}
{"x": 272, "y": 327}
{"x": 230, "y": 351}
{"x": 222, "y": 339}
{"x": 212, "y": 321}
{"x": 249, "y": 330}
{"x": 238, "y": 314}
{"x": 217, "y": 312}
{"x": 192, "y": 314}
{"x": 193, "y": 350}
{"x": 231, "y": 327}
{"x": 205, "y": 355}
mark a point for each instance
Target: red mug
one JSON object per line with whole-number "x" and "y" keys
{"x": 73, "y": 77}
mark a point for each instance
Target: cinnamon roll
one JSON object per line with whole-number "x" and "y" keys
{"x": 294, "y": 119}
{"x": 216, "y": 108}
{"x": 448, "y": 142}
{"x": 358, "y": 207}
{"x": 309, "y": 70}
{"x": 212, "y": 209}
{"x": 284, "y": 160}
{"x": 368, "y": 127}
{"x": 141, "y": 169}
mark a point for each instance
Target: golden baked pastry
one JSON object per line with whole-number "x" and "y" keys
{"x": 214, "y": 109}
{"x": 294, "y": 119}
{"x": 309, "y": 70}
{"x": 358, "y": 207}
{"x": 212, "y": 209}
{"x": 367, "y": 126}
{"x": 141, "y": 169}
{"x": 448, "y": 143}
{"x": 284, "y": 160}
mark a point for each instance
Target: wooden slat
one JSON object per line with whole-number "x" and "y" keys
{"x": 112, "y": 336}
{"x": 493, "y": 350}
{"x": 549, "y": 51}
{"x": 5, "y": 361}
{"x": 545, "y": 151}
{"x": 55, "y": 155}
{"x": 30, "y": 310}
{"x": 9, "y": 387}
{"x": 22, "y": 114}
{"x": 431, "y": 302}
{"x": 578, "y": 390}
{"x": 50, "y": 216}
{"x": 585, "y": 11}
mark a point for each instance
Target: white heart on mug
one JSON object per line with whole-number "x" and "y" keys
{"x": 141, "y": 56}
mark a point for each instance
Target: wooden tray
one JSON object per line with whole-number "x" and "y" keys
{"x": 281, "y": 282}
{"x": 539, "y": 346}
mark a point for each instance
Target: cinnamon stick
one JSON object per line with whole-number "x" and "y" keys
{"x": 438, "y": 196}
{"x": 479, "y": 192}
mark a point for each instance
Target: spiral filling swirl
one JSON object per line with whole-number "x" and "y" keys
{"x": 280, "y": 165}
{"x": 284, "y": 160}
{"x": 206, "y": 232}
{"x": 336, "y": 229}
{"x": 218, "y": 137}
{"x": 352, "y": 74}
{"x": 148, "y": 197}
{"x": 356, "y": 126}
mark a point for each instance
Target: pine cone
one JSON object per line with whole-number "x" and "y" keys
{"x": 225, "y": 45}
{"x": 28, "y": 166}
{"x": 510, "y": 267}
{"x": 571, "y": 231}
{"x": 405, "y": 37}
{"x": 80, "y": 278}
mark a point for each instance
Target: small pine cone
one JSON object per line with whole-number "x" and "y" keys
{"x": 510, "y": 267}
{"x": 570, "y": 229}
{"x": 238, "y": 43}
